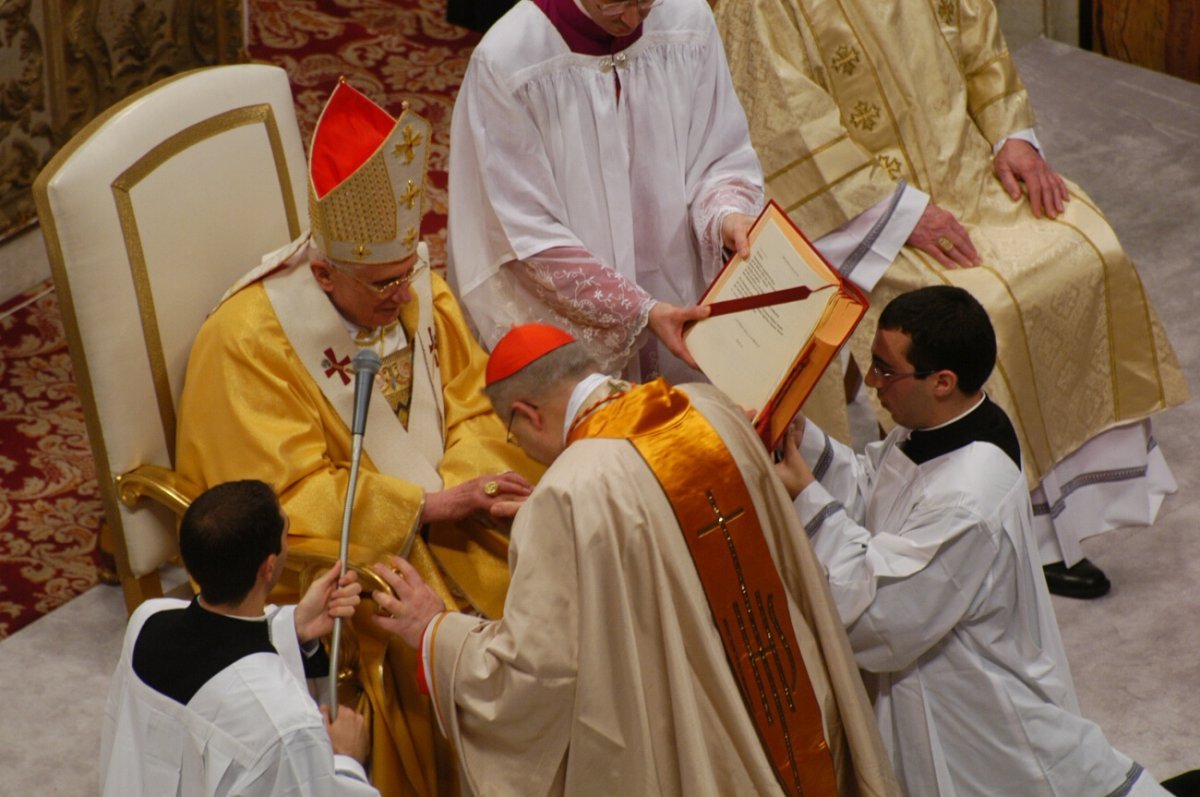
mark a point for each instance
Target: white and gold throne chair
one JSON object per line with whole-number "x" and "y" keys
{"x": 149, "y": 214}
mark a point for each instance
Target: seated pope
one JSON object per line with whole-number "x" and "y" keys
{"x": 269, "y": 395}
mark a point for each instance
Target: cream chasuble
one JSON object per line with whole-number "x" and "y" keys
{"x": 845, "y": 99}
{"x": 607, "y": 674}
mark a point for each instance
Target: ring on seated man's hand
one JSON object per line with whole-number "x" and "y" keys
{"x": 491, "y": 489}
{"x": 946, "y": 244}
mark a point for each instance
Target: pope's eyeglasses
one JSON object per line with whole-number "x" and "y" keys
{"x": 386, "y": 288}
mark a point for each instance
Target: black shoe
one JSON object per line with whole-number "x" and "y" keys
{"x": 1185, "y": 785}
{"x": 1081, "y": 580}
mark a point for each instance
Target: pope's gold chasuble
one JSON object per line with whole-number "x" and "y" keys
{"x": 744, "y": 591}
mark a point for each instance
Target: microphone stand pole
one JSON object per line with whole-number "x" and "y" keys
{"x": 366, "y": 365}
{"x": 343, "y": 553}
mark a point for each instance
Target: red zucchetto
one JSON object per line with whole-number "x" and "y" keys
{"x": 520, "y": 346}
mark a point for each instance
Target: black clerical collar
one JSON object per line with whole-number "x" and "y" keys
{"x": 987, "y": 423}
{"x": 180, "y": 650}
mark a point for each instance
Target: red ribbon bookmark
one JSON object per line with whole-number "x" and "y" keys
{"x": 797, "y": 294}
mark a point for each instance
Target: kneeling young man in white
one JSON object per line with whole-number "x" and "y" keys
{"x": 928, "y": 545}
{"x": 209, "y": 697}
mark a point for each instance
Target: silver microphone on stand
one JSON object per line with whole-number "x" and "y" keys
{"x": 366, "y": 365}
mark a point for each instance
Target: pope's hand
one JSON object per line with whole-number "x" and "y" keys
{"x": 412, "y": 605}
{"x": 491, "y": 494}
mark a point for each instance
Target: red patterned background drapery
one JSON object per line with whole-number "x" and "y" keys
{"x": 50, "y": 511}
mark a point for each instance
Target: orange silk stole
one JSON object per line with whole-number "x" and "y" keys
{"x": 745, "y": 593}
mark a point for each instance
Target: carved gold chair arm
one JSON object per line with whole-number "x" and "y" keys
{"x": 307, "y": 555}
{"x": 159, "y": 484}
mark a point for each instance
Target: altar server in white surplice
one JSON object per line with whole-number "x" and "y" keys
{"x": 667, "y": 632}
{"x": 928, "y": 543}
{"x": 209, "y": 698}
{"x": 599, "y": 161}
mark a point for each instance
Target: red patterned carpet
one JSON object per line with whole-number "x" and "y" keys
{"x": 50, "y": 511}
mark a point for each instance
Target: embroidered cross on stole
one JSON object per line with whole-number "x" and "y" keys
{"x": 745, "y": 593}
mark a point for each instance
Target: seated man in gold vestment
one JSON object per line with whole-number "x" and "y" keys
{"x": 898, "y": 136}
{"x": 269, "y": 395}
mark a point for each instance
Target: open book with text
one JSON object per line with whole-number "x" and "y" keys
{"x": 778, "y": 319}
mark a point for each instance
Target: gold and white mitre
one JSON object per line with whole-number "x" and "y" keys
{"x": 366, "y": 180}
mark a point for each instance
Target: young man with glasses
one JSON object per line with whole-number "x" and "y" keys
{"x": 928, "y": 545}
{"x": 269, "y": 394}
{"x": 599, "y": 163}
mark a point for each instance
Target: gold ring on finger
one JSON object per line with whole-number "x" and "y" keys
{"x": 946, "y": 244}
{"x": 491, "y": 489}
